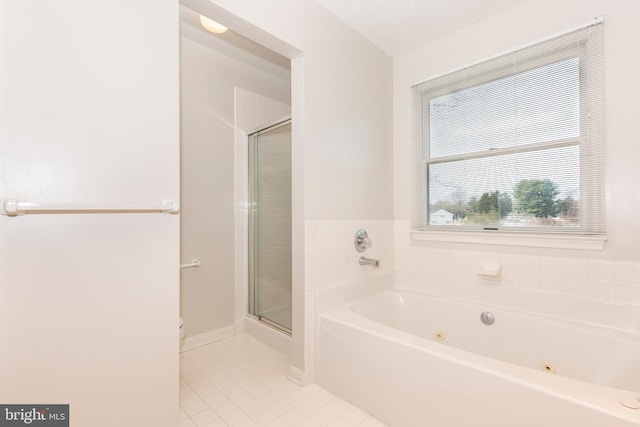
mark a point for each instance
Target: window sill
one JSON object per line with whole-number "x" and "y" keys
{"x": 586, "y": 243}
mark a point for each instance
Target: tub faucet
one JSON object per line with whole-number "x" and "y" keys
{"x": 369, "y": 261}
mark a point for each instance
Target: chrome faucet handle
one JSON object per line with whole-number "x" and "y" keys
{"x": 362, "y": 241}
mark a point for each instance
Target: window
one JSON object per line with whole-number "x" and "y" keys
{"x": 515, "y": 143}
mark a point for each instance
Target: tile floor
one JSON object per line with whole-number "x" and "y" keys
{"x": 242, "y": 382}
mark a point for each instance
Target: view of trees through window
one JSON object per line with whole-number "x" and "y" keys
{"x": 532, "y": 202}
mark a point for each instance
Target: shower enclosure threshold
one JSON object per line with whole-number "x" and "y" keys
{"x": 274, "y": 325}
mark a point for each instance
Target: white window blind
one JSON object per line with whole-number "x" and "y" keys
{"x": 516, "y": 142}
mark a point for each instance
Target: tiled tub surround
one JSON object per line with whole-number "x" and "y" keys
{"x": 331, "y": 261}
{"x": 412, "y": 350}
{"x": 331, "y": 258}
{"x": 579, "y": 275}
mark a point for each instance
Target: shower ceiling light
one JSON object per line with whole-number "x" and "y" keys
{"x": 212, "y": 26}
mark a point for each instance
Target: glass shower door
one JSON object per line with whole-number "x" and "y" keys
{"x": 270, "y": 225}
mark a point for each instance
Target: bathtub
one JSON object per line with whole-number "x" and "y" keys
{"x": 415, "y": 353}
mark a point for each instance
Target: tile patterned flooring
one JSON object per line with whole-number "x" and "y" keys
{"x": 242, "y": 382}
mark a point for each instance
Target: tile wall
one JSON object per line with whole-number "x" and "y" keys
{"x": 603, "y": 280}
{"x": 331, "y": 258}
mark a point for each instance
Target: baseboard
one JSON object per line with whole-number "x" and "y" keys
{"x": 207, "y": 338}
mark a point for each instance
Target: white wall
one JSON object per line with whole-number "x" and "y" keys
{"x": 612, "y": 274}
{"x": 208, "y": 78}
{"x": 89, "y": 302}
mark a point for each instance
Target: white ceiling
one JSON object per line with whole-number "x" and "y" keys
{"x": 398, "y": 26}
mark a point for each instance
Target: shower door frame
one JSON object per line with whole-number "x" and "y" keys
{"x": 252, "y": 218}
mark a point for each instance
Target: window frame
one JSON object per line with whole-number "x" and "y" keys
{"x": 591, "y": 181}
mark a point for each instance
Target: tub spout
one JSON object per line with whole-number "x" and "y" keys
{"x": 369, "y": 261}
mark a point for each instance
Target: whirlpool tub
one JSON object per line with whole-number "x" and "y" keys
{"x": 416, "y": 354}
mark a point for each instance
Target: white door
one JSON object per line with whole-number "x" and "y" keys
{"x": 89, "y": 302}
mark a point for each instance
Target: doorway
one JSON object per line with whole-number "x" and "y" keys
{"x": 229, "y": 87}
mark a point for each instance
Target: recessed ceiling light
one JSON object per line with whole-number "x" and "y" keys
{"x": 212, "y": 26}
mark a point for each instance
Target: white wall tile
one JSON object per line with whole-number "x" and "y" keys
{"x": 627, "y": 272}
{"x": 530, "y": 263}
{"x": 604, "y": 280}
{"x": 510, "y": 269}
{"x": 458, "y": 272}
{"x": 551, "y": 265}
{"x": 627, "y": 293}
{"x": 551, "y": 282}
{"x": 602, "y": 290}
{"x": 575, "y": 286}
{"x": 404, "y": 264}
{"x": 477, "y": 258}
{"x": 601, "y": 270}
{"x": 529, "y": 279}
{"x": 574, "y": 267}
{"x": 443, "y": 270}
{"x": 332, "y": 259}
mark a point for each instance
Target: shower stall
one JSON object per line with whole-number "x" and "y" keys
{"x": 269, "y": 225}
